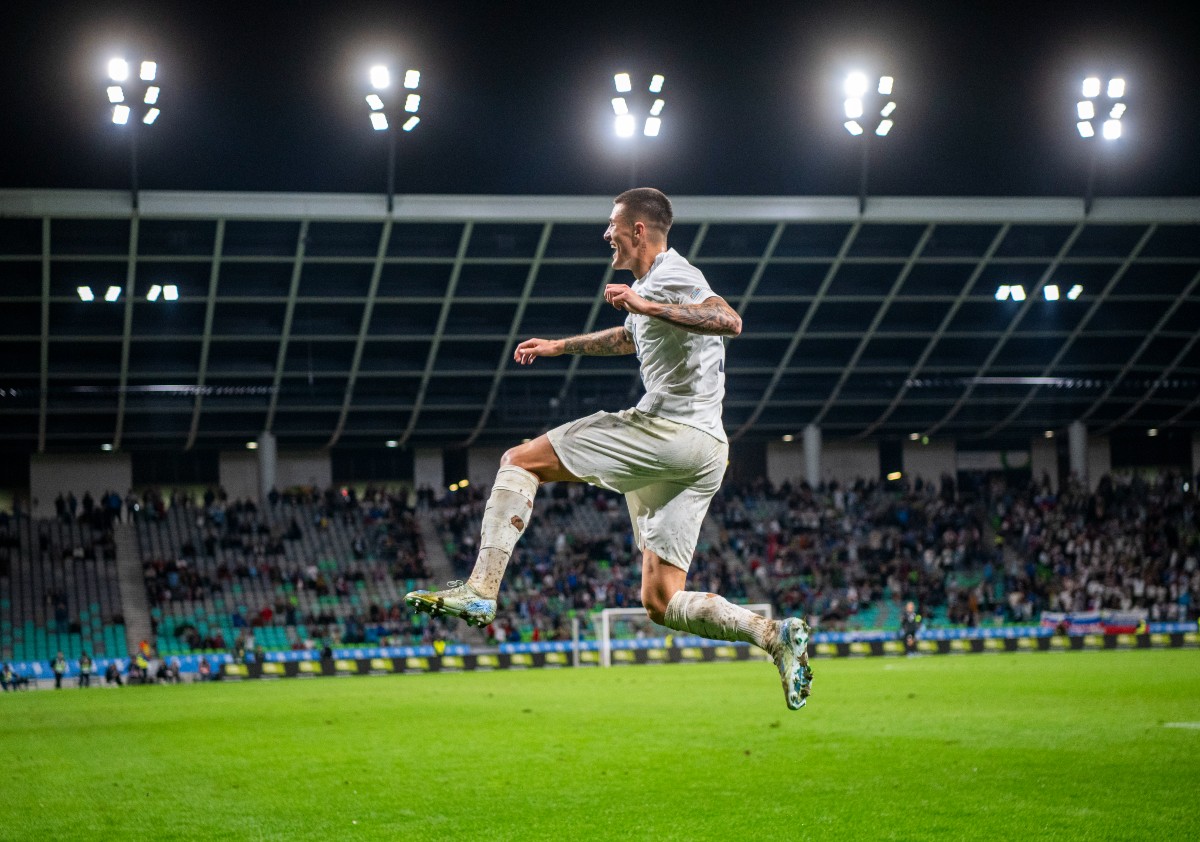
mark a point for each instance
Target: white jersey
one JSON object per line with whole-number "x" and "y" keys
{"x": 683, "y": 372}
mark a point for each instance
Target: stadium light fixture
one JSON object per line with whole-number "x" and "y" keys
{"x": 894, "y": 476}
{"x": 252, "y": 445}
{"x": 106, "y": 447}
{"x": 391, "y": 443}
{"x": 628, "y": 109}
{"x": 1049, "y": 434}
{"x": 1074, "y": 292}
{"x": 1018, "y": 292}
{"x": 1099, "y": 114}
{"x": 1152, "y": 432}
{"x": 869, "y": 107}
{"x": 112, "y": 293}
{"x": 154, "y": 292}
{"x": 789, "y": 437}
{"x": 133, "y": 101}
{"x": 118, "y": 69}
{"x": 1050, "y": 292}
{"x": 85, "y": 293}
{"x": 382, "y": 102}
{"x": 170, "y": 292}
{"x": 1002, "y": 292}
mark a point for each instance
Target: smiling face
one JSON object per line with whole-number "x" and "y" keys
{"x": 622, "y": 236}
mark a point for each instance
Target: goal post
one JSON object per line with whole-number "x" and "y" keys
{"x": 625, "y": 623}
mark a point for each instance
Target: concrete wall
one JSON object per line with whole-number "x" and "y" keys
{"x": 79, "y": 473}
{"x": 428, "y": 469}
{"x": 1044, "y": 460}
{"x": 1195, "y": 454}
{"x": 238, "y": 474}
{"x": 844, "y": 461}
{"x": 482, "y": 463}
{"x": 929, "y": 462}
{"x": 1099, "y": 460}
{"x": 304, "y": 467}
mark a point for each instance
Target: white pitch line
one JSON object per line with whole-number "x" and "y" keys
{"x": 1195, "y": 726}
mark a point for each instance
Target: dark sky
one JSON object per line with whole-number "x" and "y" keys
{"x": 268, "y": 96}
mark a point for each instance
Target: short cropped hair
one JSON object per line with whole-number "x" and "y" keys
{"x": 645, "y": 204}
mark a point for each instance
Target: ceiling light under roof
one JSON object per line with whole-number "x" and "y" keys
{"x": 153, "y": 293}
{"x": 1050, "y": 291}
{"x": 171, "y": 292}
{"x": 85, "y": 294}
{"x": 1018, "y": 292}
{"x": 1074, "y": 292}
{"x": 112, "y": 293}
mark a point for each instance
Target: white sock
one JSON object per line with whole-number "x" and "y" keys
{"x": 712, "y": 616}
{"x": 504, "y": 520}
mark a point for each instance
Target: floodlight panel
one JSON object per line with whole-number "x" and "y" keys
{"x": 112, "y": 293}
{"x": 379, "y": 121}
{"x": 375, "y": 102}
{"x": 621, "y": 80}
{"x": 1085, "y": 129}
{"x": 412, "y": 78}
{"x": 1112, "y": 129}
{"x": 1091, "y": 87}
{"x": 1118, "y": 111}
{"x": 888, "y": 109}
{"x": 380, "y": 77}
{"x": 1002, "y": 292}
{"x": 149, "y": 70}
{"x": 85, "y": 293}
{"x": 625, "y": 125}
{"x": 1116, "y": 88}
{"x": 656, "y": 83}
{"x": 170, "y": 292}
{"x": 1074, "y": 292}
{"x": 151, "y": 116}
{"x": 116, "y": 93}
{"x": 118, "y": 69}
{"x": 154, "y": 292}
{"x": 657, "y": 108}
{"x": 854, "y": 108}
{"x": 885, "y": 85}
{"x": 856, "y": 85}
{"x": 120, "y": 114}
{"x": 411, "y": 123}
{"x": 1018, "y": 292}
{"x": 151, "y": 95}
{"x": 1050, "y": 291}
{"x": 885, "y": 126}
{"x": 653, "y": 126}
{"x": 1086, "y": 109}
{"x": 853, "y": 127}
{"x": 619, "y": 105}
{"x": 412, "y": 103}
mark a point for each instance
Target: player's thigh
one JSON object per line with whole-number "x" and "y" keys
{"x": 667, "y": 517}
{"x": 539, "y": 457}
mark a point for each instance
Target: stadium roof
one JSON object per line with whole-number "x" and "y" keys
{"x": 330, "y": 322}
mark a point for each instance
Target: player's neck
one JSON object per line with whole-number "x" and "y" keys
{"x": 644, "y": 261}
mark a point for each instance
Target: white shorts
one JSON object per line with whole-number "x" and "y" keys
{"x": 667, "y": 471}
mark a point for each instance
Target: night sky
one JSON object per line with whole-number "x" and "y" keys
{"x": 268, "y": 96}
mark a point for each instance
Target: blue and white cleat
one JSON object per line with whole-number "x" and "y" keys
{"x": 791, "y": 658}
{"x": 458, "y": 600}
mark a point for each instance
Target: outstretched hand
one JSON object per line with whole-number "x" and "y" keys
{"x": 531, "y": 349}
{"x": 623, "y": 297}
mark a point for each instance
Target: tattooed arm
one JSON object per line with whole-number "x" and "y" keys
{"x": 713, "y": 316}
{"x": 602, "y": 343}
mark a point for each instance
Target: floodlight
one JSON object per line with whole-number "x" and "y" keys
{"x": 885, "y": 126}
{"x": 1116, "y": 88}
{"x": 151, "y": 95}
{"x": 375, "y": 102}
{"x": 1048, "y": 434}
{"x": 411, "y": 123}
{"x": 391, "y": 443}
{"x": 1002, "y": 292}
{"x": 914, "y": 436}
{"x": 888, "y": 109}
{"x": 1118, "y": 111}
{"x": 788, "y": 437}
{"x": 1152, "y": 432}
{"x": 1091, "y": 87}
{"x": 379, "y": 121}
{"x": 412, "y": 78}
{"x": 85, "y": 294}
{"x": 854, "y": 108}
{"x": 619, "y": 105}
{"x": 153, "y": 293}
{"x": 151, "y": 116}
{"x": 1112, "y": 129}
{"x": 106, "y": 447}
{"x": 653, "y": 125}
{"x": 118, "y": 69}
{"x": 856, "y": 85}
{"x": 657, "y": 108}
{"x": 170, "y": 292}
{"x": 148, "y": 71}
{"x": 252, "y": 445}
{"x": 380, "y": 77}
{"x": 116, "y": 93}
{"x": 121, "y": 114}
{"x": 1018, "y": 292}
{"x": 1074, "y": 292}
{"x": 885, "y": 85}
{"x": 1085, "y": 129}
{"x": 894, "y": 476}
{"x": 625, "y": 125}
{"x": 1086, "y": 109}
{"x": 412, "y": 103}
{"x": 853, "y": 127}
{"x": 1050, "y": 291}
{"x": 656, "y": 83}
{"x": 621, "y": 80}
{"x": 112, "y": 294}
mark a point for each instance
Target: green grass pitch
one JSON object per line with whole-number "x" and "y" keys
{"x": 1070, "y": 746}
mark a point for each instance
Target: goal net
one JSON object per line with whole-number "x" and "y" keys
{"x": 619, "y": 624}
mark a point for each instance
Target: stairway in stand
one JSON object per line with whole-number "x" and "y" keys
{"x": 134, "y": 604}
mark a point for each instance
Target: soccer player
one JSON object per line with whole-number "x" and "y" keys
{"x": 667, "y": 455}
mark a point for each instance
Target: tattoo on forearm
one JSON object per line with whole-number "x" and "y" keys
{"x": 712, "y": 317}
{"x": 603, "y": 343}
